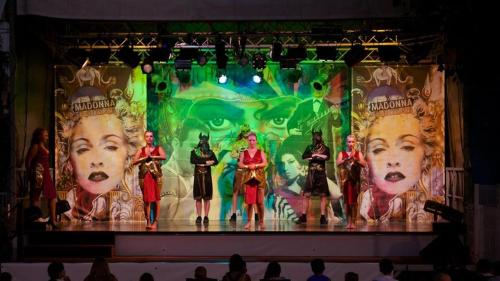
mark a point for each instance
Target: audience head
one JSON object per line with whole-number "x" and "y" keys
{"x": 56, "y": 270}
{"x": 442, "y": 277}
{"x": 386, "y": 267}
{"x": 236, "y": 263}
{"x": 100, "y": 267}
{"x": 483, "y": 266}
{"x": 146, "y": 276}
{"x": 200, "y": 273}
{"x": 351, "y": 276}
{"x": 496, "y": 268}
{"x": 5, "y": 276}
{"x": 318, "y": 266}
{"x": 273, "y": 270}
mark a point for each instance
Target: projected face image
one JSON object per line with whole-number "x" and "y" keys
{"x": 224, "y": 118}
{"x": 291, "y": 166}
{"x": 395, "y": 153}
{"x": 98, "y": 153}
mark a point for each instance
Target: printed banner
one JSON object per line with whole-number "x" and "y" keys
{"x": 398, "y": 118}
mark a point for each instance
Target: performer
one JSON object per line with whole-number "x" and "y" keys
{"x": 37, "y": 166}
{"x": 149, "y": 158}
{"x": 203, "y": 158}
{"x": 237, "y": 148}
{"x": 316, "y": 183}
{"x": 253, "y": 161}
{"x": 350, "y": 161}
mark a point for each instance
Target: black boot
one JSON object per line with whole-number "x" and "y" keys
{"x": 205, "y": 220}
{"x": 303, "y": 218}
{"x": 198, "y": 220}
{"x": 323, "y": 220}
{"x": 233, "y": 218}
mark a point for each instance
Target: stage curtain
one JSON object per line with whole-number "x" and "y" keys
{"x": 175, "y": 10}
{"x": 454, "y": 121}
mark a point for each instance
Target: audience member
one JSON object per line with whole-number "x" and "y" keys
{"x": 483, "y": 270}
{"x": 5, "y": 276}
{"x": 442, "y": 277}
{"x": 100, "y": 271}
{"x": 496, "y": 271}
{"x": 318, "y": 267}
{"x": 351, "y": 276}
{"x": 146, "y": 276}
{"x": 387, "y": 269}
{"x": 237, "y": 270}
{"x": 56, "y": 272}
{"x": 200, "y": 274}
{"x": 273, "y": 272}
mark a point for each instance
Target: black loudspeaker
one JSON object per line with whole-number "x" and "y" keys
{"x": 444, "y": 211}
{"x": 447, "y": 249}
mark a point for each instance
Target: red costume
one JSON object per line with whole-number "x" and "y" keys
{"x": 253, "y": 179}
{"x": 150, "y": 186}
{"x": 40, "y": 167}
{"x": 351, "y": 179}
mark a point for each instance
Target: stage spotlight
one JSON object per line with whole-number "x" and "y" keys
{"x": 257, "y": 77}
{"x": 147, "y": 66}
{"x": 220, "y": 54}
{"x": 259, "y": 61}
{"x": 128, "y": 56}
{"x": 389, "y": 53}
{"x": 326, "y": 53}
{"x": 243, "y": 61}
{"x": 160, "y": 53}
{"x": 183, "y": 61}
{"x": 202, "y": 60}
{"x": 288, "y": 63}
{"x": 299, "y": 53}
{"x": 100, "y": 56}
{"x": 77, "y": 56}
{"x": 355, "y": 55}
{"x": 276, "y": 51}
{"x": 222, "y": 79}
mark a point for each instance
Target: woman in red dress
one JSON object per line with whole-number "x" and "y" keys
{"x": 254, "y": 162}
{"x": 149, "y": 158}
{"x": 350, "y": 162}
{"x": 38, "y": 168}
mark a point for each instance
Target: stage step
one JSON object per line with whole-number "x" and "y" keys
{"x": 55, "y": 244}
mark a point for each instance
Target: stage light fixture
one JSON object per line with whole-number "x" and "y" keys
{"x": 257, "y": 77}
{"x": 77, "y": 56}
{"x": 160, "y": 53}
{"x": 288, "y": 63}
{"x": 259, "y": 61}
{"x": 243, "y": 60}
{"x": 220, "y": 54}
{"x": 222, "y": 79}
{"x": 184, "y": 60}
{"x": 446, "y": 212}
{"x": 276, "y": 51}
{"x": 326, "y": 53}
{"x": 147, "y": 66}
{"x": 202, "y": 60}
{"x": 389, "y": 53}
{"x": 100, "y": 56}
{"x": 128, "y": 56}
{"x": 355, "y": 55}
{"x": 299, "y": 53}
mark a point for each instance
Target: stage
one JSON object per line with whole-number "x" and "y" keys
{"x": 183, "y": 240}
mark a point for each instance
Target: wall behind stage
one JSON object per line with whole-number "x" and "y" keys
{"x": 102, "y": 114}
{"x": 398, "y": 117}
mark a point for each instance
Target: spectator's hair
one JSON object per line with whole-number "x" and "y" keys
{"x": 200, "y": 273}
{"x": 236, "y": 263}
{"x": 55, "y": 269}
{"x": 273, "y": 270}
{"x": 385, "y": 266}
{"x": 351, "y": 276}
{"x": 146, "y": 276}
{"x": 318, "y": 266}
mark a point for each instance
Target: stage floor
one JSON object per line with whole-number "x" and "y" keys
{"x": 271, "y": 226}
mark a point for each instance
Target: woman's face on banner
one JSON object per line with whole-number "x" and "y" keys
{"x": 291, "y": 167}
{"x": 395, "y": 153}
{"x": 98, "y": 153}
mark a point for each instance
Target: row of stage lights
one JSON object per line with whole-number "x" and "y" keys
{"x": 187, "y": 54}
